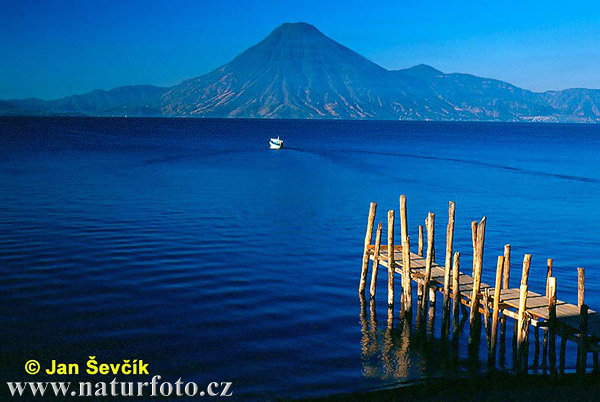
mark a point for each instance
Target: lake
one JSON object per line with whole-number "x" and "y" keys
{"x": 190, "y": 244}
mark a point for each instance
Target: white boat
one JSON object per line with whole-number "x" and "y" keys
{"x": 275, "y": 143}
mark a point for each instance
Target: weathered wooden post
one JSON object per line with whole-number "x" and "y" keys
{"x": 497, "y": 287}
{"x": 546, "y": 333}
{"x": 505, "y": 285}
{"x": 583, "y": 316}
{"x": 580, "y": 286}
{"x": 431, "y": 318}
{"x": 406, "y": 278}
{"x": 523, "y": 297}
{"x": 403, "y": 218}
{"x": 421, "y": 295}
{"x": 474, "y": 238}
{"x": 433, "y": 254}
{"x": 474, "y": 293}
{"x": 456, "y": 293}
{"x": 420, "y": 246}
{"x": 429, "y": 259}
{"x": 523, "y": 357}
{"x": 406, "y": 273}
{"x": 526, "y": 265}
{"x": 486, "y": 317}
{"x": 563, "y": 351}
{"x": 522, "y": 341}
{"x": 477, "y": 267}
{"x": 552, "y": 324}
{"x": 390, "y": 259}
{"x": 448, "y": 265}
{"x": 583, "y": 331}
{"x": 506, "y": 278}
{"x": 521, "y": 321}
{"x": 375, "y": 260}
{"x": 521, "y": 331}
{"x": 368, "y": 236}
{"x": 548, "y": 275}
{"x": 432, "y": 295}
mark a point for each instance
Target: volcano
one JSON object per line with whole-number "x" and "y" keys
{"x": 297, "y": 72}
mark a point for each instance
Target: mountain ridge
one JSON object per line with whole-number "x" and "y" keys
{"x": 298, "y": 72}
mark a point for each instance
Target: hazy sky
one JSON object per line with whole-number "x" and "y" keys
{"x": 50, "y": 48}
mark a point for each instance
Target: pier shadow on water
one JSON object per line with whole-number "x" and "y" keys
{"x": 397, "y": 348}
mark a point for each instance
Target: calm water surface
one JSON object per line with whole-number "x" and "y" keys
{"x": 191, "y": 245}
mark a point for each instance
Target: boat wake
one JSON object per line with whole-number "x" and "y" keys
{"x": 463, "y": 161}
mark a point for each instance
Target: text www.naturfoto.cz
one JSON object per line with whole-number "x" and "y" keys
{"x": 119, "y": 388}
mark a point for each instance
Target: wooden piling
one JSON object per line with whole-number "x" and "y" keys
{"x": 581, "y": 353}
{"x": 582, "y": 347}
{"x": 431, "y": 319}
{"x": 420, "y": 245}
{"x": 474, "y": 238}
{"x": 477, "y": 266}
{"x": 368, "y": 236}
{"x": 407, "y": 284}
{"x": 433, "y": 253}
{"x": 523, "y": 352}
{"x": 406, "y": 276}
{"x": 526, "y": 265}
{"x": 505, "y": 285}
{"x": 521, "y": 315}
{"x": 403, "y": 218}
{"x": 456, "y": 292}
{"x": 390, "y": 259}
{"x": 448, "y": 260}
{"x": 496, "y": 307}
{"x": 486, "y": 317}
{"x": 580, "y": 286}
{"x": 506, "y": 275}
{"x": 548, "y": 274}
{"x": 375, "y": 260}
{"x": 546, "y": 333}
{"x": 432, "y": 294}
{"x": 552, "y": 324}
{"x": 429, "y": 258}
{"x": 523, "y": 304}
{"x": 545, "y": 350}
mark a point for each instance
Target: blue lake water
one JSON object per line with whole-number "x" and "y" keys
{"x": 190, "y": 244}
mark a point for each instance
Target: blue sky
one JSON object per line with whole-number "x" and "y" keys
{"x": 56, "y": 48}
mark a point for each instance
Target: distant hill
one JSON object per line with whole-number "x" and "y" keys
{"x": 139, "y": 100}
{"x": 297, "y": 72}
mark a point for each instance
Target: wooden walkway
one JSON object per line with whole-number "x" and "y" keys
{"x": 575, "y": 322}
{"x": 567, "y": 315}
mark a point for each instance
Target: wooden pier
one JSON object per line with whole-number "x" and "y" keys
{"x": 492, "y": 305}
